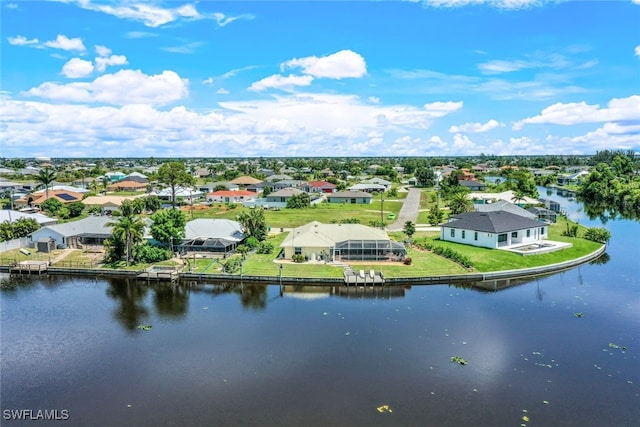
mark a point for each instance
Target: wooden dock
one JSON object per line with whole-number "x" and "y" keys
{"x": 362, "y": 277}
{"x": 29, "y": 267}
{"x": 169, "y": 274}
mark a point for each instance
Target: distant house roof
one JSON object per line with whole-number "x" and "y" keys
{"x": 61, "y": 187}
{"x": 107, "y": 200}
{"x": 286, "y": 192}
{"x": 350, "y": 194}
{"x": 316, "y": 234}
{"x": 214, "y": 228}
{"x": 245, "y": 180}
{"x": 509, "y": 196}
{"x": 471, "y": 183}
{"x": 492, "y": 222}
{"x": 362, "y": 186}
{"x": 274, "y": 178}
{"x": 12, "y": 216}
{"x": 503, "y": 205}
{"x": 125, "y": 183}
{"x": 321, "y": 184}
{"x": 39, "y": 198}
{"x": 232, "y": 193}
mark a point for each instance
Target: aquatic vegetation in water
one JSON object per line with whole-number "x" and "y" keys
{"x": 144, "y": 327}
{"x": 384, "y": 408}
{"x": 617, "y": 347}
{"x": 579, "y": 314}
{"x": 459, "y": 360}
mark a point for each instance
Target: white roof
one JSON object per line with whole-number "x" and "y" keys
{"x": 214, "y": 228}
{"x": 508, "y": 196}
{"x": 180, "y": 192}
{"x": 11, "y": 216}
{"x": 316, "y": 234}
{"x": 65, "y": 188}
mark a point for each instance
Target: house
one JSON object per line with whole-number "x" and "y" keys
{"x": 226, "y": 196}
{"x": 283, "y": 196}
{"x": 378, "y": 181}
{"x": 243, "y": 181}
{"x": 126, "y": 185}
{"x": 7, "y": 215}
{"x": 186, "y": 195}
{"x": 279, "y": 177}
{"x": 115, "y": 176}
{"x": 333, "y": 242}
{"x": 497, "y": 229}
{"x": 92, "y": 230}
{"x": 369, "y": 188}
{"x": 353, "y": 197}
{"x": 107, "y": 204}
{"x": 137, "y": 177}
{"x": 211, "y": 235}
{"x": 503, "y": 205}
{"x": 574, "y": 178}
{"x": 209, "y": 187}
{"x": 35, "y": 200}
{"x": 544, "y": 214}
{"x": 286, "y": 183}
{"x": 509, "y": 196}
{"x": 472, "y": 185}
{"x": 319, "y": 187}
{"x": 551, "y": 205}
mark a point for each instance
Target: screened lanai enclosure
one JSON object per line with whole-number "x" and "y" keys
{"x": 213, "y": 245}
{"x": 369, "y": 250}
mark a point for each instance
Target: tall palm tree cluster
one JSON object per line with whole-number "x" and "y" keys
{"x": 128, "y": 230}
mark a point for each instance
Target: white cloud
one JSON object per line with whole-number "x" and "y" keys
{"x": 574, "y": 113}
{"x": 77, "y": 68}
{"x": 536, "y": 60}
{"x": 22, "y": 41}
{"x": 374, "y": 99}
{"x": 102, "y": 63}
{"x": 343, "y": 64}
{"x": 222, "y": 91}
{"x": 153, "y": 16}
{"x": 103, "y": 51}
{"x": 139, "y": 34}
{"x": 185, "y": 48}
{"x": 278, "y": 81}
{"x": 123, "y": 87}
{"x": 208, "y": 81}
{"x": 636, "y": 51}
{"x": 476, "y": 127}
{"x": 65, "y": 43}
{"x": 500, "y": 4}
{"x": 462, "y": 143}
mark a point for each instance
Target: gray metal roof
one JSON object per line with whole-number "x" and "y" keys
{"x": 214, "y": 228}
{"x": 92, "y": 225}
{"x": 503, "y": 205}
{"x": 350, "y": 194}
{"x": 492, "y": 222}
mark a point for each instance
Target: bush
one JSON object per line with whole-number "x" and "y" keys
{"x": 597, "y": 234}
{"x": 446, "y": 253}
{"x": 298, "y": 258}
{"x": 251, "y": 242}
{"x": 233, "y": 264}
{"x": 350, "y": 221}
{"x": 264, "y": 248}
{"x": 148, "y": 254}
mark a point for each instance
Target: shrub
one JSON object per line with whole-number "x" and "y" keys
{"x": 597, "y": 234}
{"x": 233, "y": 264}
{"x": 251, "y": 242}
{"x": 264, "y": 248}
{"x": 350, "y": 221}
{"x": 298, "y": 258}
{"x": 147, "y": 253}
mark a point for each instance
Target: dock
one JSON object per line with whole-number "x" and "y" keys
{"x": 168, "y": 274}
{"x": 362, "y": 277}
{"x": 29, "y": 267}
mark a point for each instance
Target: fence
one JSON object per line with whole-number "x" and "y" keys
{"x": 14, "y": 244}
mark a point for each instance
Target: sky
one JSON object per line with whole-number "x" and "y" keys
{"x": 170, "y": 79}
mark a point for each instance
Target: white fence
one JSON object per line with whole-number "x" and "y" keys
{"x": 14, "y": 244}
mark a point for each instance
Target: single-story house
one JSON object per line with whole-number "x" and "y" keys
{"x": 12, "y": 216}
{"x": 92, "y": 230}
{"x": 36, "y": 199}
{"x": 278, "y": 177}
{"x": 353, "y": 197}
{"x": 115, "y": 176}
{"x": 126, "y": 185}
{"x": 226, "y": 196}
{"x": 493, "y": 229}
{"x": 243, "y": 181}
{"x": 211, "y": 235}
{"x": 107, "y": 204}
{"x": 574, "y": 178}
{"x": 502, "y": 205}
{"x": 209, "y": 187}
{"x": 379, "y": 181}
{"x": 552, "y": 205}
{"x": 544, "y": 214}
{"x": 509, "y": 196}
{"x": 136, "y": 176}
{"x": 473, "y": 185}
{"x": 188, "y": 195}
{"x": 369, "y": 188}
{"x": 319, "y": 187}
{"x": 285, "y": 183}
{"x": 341, "y": 242}
{"x": 283, "y": 196}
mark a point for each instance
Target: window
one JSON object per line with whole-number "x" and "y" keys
{"x": 514, "y": 234}
{"x": 463, "y": 233}
{"x": 297, "y": 251}
{"x": 453, "y": 232}
{"x": 502, "y": 238}
{"x": 541, "y": 230}
{"x": 528, "y": 233}
{"x": 475, "y": 235}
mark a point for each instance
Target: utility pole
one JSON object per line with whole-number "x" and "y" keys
{"x": 382, "y": 210}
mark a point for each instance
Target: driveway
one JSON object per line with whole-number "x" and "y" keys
{"x": 408, "y": 211}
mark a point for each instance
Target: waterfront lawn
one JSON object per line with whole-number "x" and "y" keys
{"x": 485, "y": 259}
{"x": 14, "y": 255}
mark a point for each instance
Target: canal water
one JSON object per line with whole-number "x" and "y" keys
{"x": 561, "y": 350}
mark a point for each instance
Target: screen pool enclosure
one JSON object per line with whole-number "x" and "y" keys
{"x": 369, "y": 250}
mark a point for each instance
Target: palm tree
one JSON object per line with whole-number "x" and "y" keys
{"x": 459, "y": 203}
{"x": 128, "y": 228}
{"x": 45, "y": 177}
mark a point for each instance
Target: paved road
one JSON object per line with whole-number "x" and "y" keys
{"x": 408, "y": 211}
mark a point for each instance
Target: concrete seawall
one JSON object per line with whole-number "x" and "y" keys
{"x": 307, "y": 281}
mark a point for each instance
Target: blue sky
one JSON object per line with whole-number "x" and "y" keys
{"x": 85, "y": 78}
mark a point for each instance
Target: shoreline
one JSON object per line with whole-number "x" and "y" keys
{"x": 472, "y": 278}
